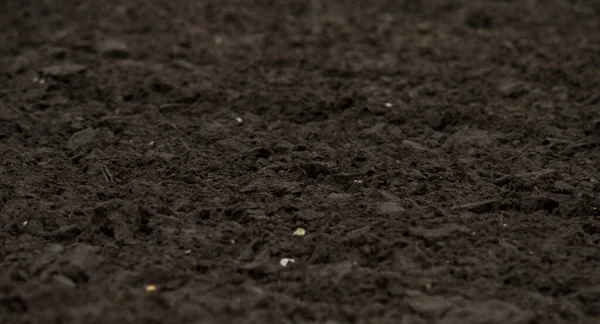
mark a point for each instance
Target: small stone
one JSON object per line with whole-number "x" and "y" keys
{"x": 285, "y": 261}
{"x": 150, "y": 288}
{"x": 114, "y": 49}
{"x": 299, "y": 232}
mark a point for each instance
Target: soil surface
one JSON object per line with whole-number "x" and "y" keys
{"x": 159, "y": 161}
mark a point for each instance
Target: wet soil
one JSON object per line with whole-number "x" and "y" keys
{"x": 442, "y": 158}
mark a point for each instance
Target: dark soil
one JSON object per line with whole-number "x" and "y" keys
{"x": 443, "y": 158}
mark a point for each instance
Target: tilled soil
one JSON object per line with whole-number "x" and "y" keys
{"x": 442, "y": 158}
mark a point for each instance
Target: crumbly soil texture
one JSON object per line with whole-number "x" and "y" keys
{"x": 366, "y": 161}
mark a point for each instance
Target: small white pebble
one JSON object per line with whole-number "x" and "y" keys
{"x": 504, "y": 225}
{"x": 25, "y": 223}
{"x": 299, "y": 232}
{"x": 387, "y": 104}
{"x": 150, "y": 288}
{"x": 151, "y": 143}
{"x": 473, "y": 233}
{"x": 285, "y": 261}
{"x": 187, "y": 252}
{"x": 358, "y": 181}
{"x": 232, "y": 241}
{"x": 238, "y": 119}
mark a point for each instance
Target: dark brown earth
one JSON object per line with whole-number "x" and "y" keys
{"x": 442, "y": 156}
